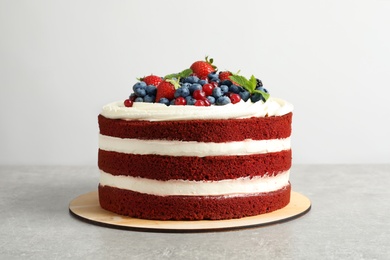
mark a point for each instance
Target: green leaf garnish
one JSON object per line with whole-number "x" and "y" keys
{"x": 182, "y": 74}
{"x": 249, "y": 85}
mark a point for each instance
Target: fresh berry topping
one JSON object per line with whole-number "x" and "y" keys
{"x": 202, "y": 68}
{"x": 235, "y": 89}
{"x": 180, "y": 101}
{"x": 164, "y": 101}
{"x": 213, "y": 76}
{"x": 217, "y": 92}
{"x": 165, "y": 90}
{"x": 140, "y": 92}
{"x": 199, "y": 85}
{"x": 194, "y": 87}
{"x": 224, "y": 88}
{"x": 234, "y": 98}
{"x": 191, "y": 79}
{"x": 199, "y": 94}
{"x": 139, "y": 84}
{"x": 132, "y": 97}
{"x": 259, "y": 83}
{"x": 128, "y": 103}
{"x": 257, "y": 97}
{"x": 200, "y": 103}
{"x": 182, "y": 92}
{"x": 245, "y": 95}
{"x": 151, "y": 90}
{"x": 224, "y": 75}
{"x": 211, "y": 99}
{"x": 223, "y": 100}
{"x": 152, "y": 80}
{"x": 207, "y": 103}
{"x": 190, "y": 100}
{"x": 208, "y": 89}
{"x": 149, "y": 98}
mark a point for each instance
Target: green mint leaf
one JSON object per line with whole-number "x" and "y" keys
{"x": 182, "y": 74}
{"x": 171, "y": 76}
{"x": 252, "y": 83}
{"x": 242, "y": 81}
{"x": 185, "y": 73}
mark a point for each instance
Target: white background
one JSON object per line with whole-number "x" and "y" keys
{"x": 60, "y": 61}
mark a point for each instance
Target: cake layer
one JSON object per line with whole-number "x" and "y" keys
{"x": 191, "y": 148}
{"x": 193, "y": 168}
{"x": 146, "y": 206}
{"x": 228, "y": 187}
{"x": 213, "y": 130}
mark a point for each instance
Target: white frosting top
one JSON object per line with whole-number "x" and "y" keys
{"x": 161, "y": 112}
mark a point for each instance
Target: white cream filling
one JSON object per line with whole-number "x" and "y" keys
{"x": 161, "y": 112}
{"x": 192, "y": 148}
{"x": 230, "y": 187}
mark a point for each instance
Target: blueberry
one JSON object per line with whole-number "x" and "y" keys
{"x": 164, "y": 101}
{"x": 259, "y": 83}
{"x": 202, "y": 82}
{"x": 245, "y": 95}
{"x": 191, "y": 79}
{"x": 234, "y": 89}
{"x": 224, "y": 88}
{"x": 257, "y": 97}
{"x": 226, "y": 82}
{"x": 213, "y": 76}
{"x": 211, "y": 99}
{"x": 187, "y": 85}
{"x": 190, "y": 100}
{"x": 217, "y": 92}
{"x": 172, "y": 102}
{"x": 149, "y": 98}
{"x": 139, "y": 84}
{"x": 151, "y": 90}
{"x": 182, "y": 92}
{"x": 139, "y": 99}
{"x": 262, "y": 89}
{"x": 223, "y": 100}
{"x": 194, "y": 87}
{"x": 140, "y": 91}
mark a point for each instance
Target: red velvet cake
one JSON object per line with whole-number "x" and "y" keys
{"x": 165, "y": 155}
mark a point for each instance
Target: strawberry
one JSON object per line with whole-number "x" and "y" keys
{"x": 166, "y": 89}
{"x": 152, "y": 80}
{"x": 225, "y": 75}
{"x": 202, "y": 68}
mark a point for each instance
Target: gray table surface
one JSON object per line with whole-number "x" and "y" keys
{"x": 349, "y": 219}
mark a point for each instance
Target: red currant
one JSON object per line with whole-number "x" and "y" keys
{"x": 180, "y": 101}
{"x": 215, "y": 84}
{"x": 208, "y": 89}
{"x": 199, "y": 94}
{"x": 207, "y": 102}
{"x": 199, "y": 103}
{"x": 128, "y": 103}
{"x": 235, "y": 98}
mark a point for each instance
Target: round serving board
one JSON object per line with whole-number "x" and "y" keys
{"x": 87, "y": 208}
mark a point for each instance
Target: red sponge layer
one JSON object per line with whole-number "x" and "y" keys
{"x": 193, "y": 168}
{"x": 147, "y": 206}
{"x": 218, "y": 131}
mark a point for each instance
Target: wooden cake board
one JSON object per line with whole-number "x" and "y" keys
{"x": 86, "y": 207}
